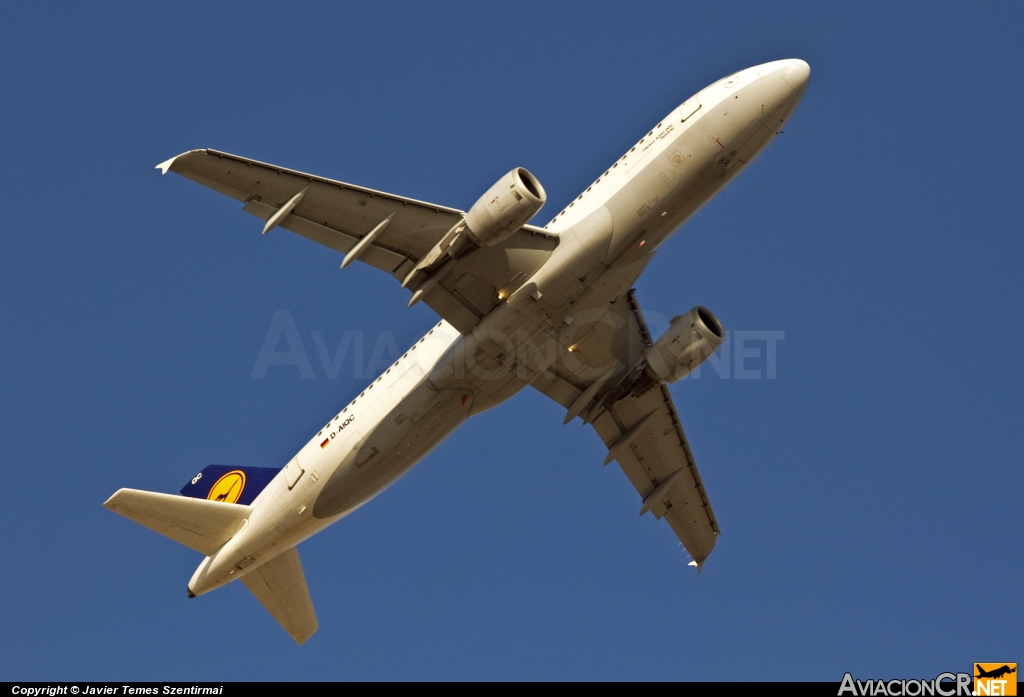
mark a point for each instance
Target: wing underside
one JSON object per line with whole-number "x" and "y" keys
{"x": 338, "y": 215}
{"x": 642, "y": 431}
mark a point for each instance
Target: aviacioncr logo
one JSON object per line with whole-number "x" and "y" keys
{"x": 228, "y": 488}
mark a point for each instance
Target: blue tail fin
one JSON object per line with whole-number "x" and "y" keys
{"x": 229, "y": 484}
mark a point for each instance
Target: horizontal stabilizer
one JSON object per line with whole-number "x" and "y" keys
{"x": 230, "y": 484}
{"x": 280, "y": 586}
{"x": 198, "y": 524}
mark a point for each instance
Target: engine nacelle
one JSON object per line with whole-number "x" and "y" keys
{"x": 687, "y": 343}
{"x": 506, "y": 207}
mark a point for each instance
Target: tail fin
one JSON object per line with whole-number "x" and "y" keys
{"x": 229, "y": 484}
{"x": 200, "y": 525}
{"x": 280, "y": 586}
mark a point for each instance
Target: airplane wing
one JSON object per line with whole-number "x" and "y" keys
{"x": 280, "y": 586}
{"x": 338, "y": 215}
{"x": 643, "y": 431}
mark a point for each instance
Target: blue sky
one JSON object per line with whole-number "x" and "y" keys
{"x": 865, "y": 494}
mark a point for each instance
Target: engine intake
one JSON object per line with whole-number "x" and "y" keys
{"x": 506, "y": 207}
{"x": 687, "y": 343}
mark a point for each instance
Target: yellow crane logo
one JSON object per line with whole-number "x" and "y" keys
{"x": 228, "y": 488}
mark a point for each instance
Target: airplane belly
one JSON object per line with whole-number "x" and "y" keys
{"x": 392, "y": 446}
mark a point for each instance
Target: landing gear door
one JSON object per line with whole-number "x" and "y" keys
{"x": 292, "y": 473}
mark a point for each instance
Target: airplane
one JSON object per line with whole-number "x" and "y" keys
{"x": 520, "y": 305}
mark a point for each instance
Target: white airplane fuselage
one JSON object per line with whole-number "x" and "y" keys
{"x": 607, "y": 236}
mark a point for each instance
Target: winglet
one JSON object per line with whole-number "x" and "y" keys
{"x": 166, "y": 164}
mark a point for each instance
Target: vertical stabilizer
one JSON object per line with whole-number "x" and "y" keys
{"x": 280, "y": 586}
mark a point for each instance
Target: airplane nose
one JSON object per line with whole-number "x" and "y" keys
{"x": 796, "y": 74}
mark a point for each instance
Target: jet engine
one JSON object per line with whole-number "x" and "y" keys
{"x": 506, "y": 207}
{"x": 687, "y": 343}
